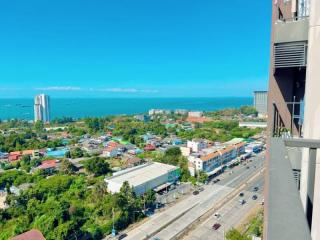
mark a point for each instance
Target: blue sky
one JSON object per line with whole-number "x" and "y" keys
{"x": 140, "y": 48}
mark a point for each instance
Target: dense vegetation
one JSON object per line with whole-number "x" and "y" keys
{"x": 65, "y": 207}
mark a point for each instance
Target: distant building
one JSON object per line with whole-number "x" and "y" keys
{"x": 197, "y": 145}
{"x": 181, "y": 111}
{"x": 195, "y": 114}
{"x": 260, "y": 102}
{"x": 155, "y": 176}
{"x": 142, "y": 117}
{"x": 253, "y": 124}
{"x": 42, "y": 108}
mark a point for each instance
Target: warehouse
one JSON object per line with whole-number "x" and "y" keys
{"x": 144, "y": 177}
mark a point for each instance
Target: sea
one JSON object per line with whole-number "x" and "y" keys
{"x": 96, "y": 107}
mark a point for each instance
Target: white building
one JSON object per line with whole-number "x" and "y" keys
{"x": 42, "y": 108}
{"x": 260, "y": 102}
{"x": 211, "y": 160}
{"x": 197, "y": 145}
{"x": 195, "y": 114}
{"x": 144, "y": 177}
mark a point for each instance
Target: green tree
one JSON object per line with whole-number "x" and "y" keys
{"x": 67, "y": 167}
{"x": 234, "y": 234}
{"x": 39, "y": 126}
{"x": 98, "y": 166}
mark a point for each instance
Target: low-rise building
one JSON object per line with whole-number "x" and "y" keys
{"x": 195, "y": 114}
{"x": 213, "y": 159}
{"x": 197, "y": 145}
{"x": 110, "y": 151}
{"x": 33, "y": 234}
{"x": 144, "y": 177}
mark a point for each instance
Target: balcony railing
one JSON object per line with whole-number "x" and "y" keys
{"x": 279, "y": 127}
{"x": 285, "y": 217}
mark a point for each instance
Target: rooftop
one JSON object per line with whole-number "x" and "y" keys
{"x": 141, "y": 174}
{"x": 33, "y": 234}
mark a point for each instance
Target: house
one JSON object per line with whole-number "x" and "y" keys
{"x": 176, "y": 141}
{"x": 17, "y": 155}
{"x": 130, "y": 161}
{"x": 48, "y": 165}
{"x": 32, "y": 234}
{"x": 4, "y": 155}
{"x": 192, "y": 119}
{"x": 135, "y": 151}
{"x": 149, "y": 147}
{"x": 197, "y": 145}
{"x": 110, "y": 151}
{"x": 14, "y": 156}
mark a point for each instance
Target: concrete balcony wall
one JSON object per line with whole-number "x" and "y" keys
{"x": 294, "y": 31}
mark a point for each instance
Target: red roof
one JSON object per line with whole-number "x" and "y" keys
{"x": 113, "y": 144}
{"x": 48, "y": 164}
{"x": 149, "y": 147}
{"x": 33, "y": 234}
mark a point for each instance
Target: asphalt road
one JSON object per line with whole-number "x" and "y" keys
{"x": 231, "y": 214}
{"x": 175, "y": 219}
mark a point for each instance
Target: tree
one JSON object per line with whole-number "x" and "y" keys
{"x": 67, "y": 167}
{"x": 38, "y": 126}
{"x": 203, "y": 177}
{"x": 248, "y": 110}
{"x": 98, "y": 166}
{"x": 234, "y": 234}
{"x": 76, "y": 153}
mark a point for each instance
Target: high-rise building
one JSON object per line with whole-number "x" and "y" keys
{"x": 292, "y": 206}
{"x": 42, "y": 108}
{"x": 260, "y": 102}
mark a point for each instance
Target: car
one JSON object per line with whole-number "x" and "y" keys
{"x": 247, "y": 167}
{"x": 262, "y": 202}
{"x": 242, "y": 201}
{"x": 195, "y": 192}
{"x": 217, "y": 215}
{"x": 241, "y": 194}
{"x": 122, "y": 236}
{"x": 216, "y": 226}
{"x": 200, "y": 189}
{"x": 254, "y": 197}
{"x": 255, "y": 189}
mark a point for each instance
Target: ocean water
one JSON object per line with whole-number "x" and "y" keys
{"x": 80, "y": 107}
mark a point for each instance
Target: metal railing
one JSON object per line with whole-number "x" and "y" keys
{"x": 296, "y": 119}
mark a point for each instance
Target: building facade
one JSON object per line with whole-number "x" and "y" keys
{"x": 260, "y": 102}
{"x": 293, "y": 165}
{"x": 42, "y": 108}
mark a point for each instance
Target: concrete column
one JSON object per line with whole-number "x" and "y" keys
{"x": 312, "y": 116}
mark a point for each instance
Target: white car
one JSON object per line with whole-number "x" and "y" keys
{"x": 217, "y": 215}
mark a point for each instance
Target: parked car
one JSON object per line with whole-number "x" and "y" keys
{"x": 241, "y": 194}
{"x": 200, "y": 189}
{"x": 217, "y": 215}
{"x": 216, "y": 226}
{"x": 195, "y": 192}
{"x": 122, "y": 236}
{"x": 255, "y": 189}
{"x": 242, "y": 201}
{"x": 254, "y": 197}
{"x": 216, "y": 180}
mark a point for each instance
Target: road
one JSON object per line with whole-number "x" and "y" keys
{"x": 231, "y": 214}
{"x": 175, "y": 219}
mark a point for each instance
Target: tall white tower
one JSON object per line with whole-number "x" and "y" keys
{"x": 42, "y": 108}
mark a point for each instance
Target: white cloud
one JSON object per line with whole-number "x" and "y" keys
{"x": 59, "y": 88}
{"x": 125, "y": 90}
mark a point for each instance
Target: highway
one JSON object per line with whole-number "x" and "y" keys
{"x": 231, "y": 214}
{"x": 174, "y": 220}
